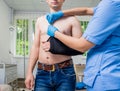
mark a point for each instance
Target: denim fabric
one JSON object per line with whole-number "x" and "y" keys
{"x": 59, "y": 80}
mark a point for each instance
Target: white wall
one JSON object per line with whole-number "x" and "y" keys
{"x": 22, "y": 66}
{"x": 4, "y": 32}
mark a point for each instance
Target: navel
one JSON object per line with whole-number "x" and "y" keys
{"x": 47, "y": 57}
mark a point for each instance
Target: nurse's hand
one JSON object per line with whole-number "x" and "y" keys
{"x": 51, "y": 30}
{"x": 52, "y": 17}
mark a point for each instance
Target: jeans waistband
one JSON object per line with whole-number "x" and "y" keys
{"x": 53, "y": 67}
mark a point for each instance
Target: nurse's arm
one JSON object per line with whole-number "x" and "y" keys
{"x": 80, "y": 44}
{"x": 79, "y": 11}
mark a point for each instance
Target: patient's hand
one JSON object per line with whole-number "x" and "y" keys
{"x": 29, "y": 81}
{"x": 46, "y": 46}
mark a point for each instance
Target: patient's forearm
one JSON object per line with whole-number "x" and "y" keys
{"x": 33, "y": 59}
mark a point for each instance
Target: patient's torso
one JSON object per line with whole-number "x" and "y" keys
{"x": 64, "y": 26}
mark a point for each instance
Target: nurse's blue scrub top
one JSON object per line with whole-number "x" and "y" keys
{"x": 104, "y": 58}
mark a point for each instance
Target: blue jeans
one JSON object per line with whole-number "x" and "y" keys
{"x": 59, "y": 80}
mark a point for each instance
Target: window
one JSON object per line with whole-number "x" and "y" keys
{"x": 33, "y": 25}
{"x": 22, "y": 37}
{"x": 84, "y": 25}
